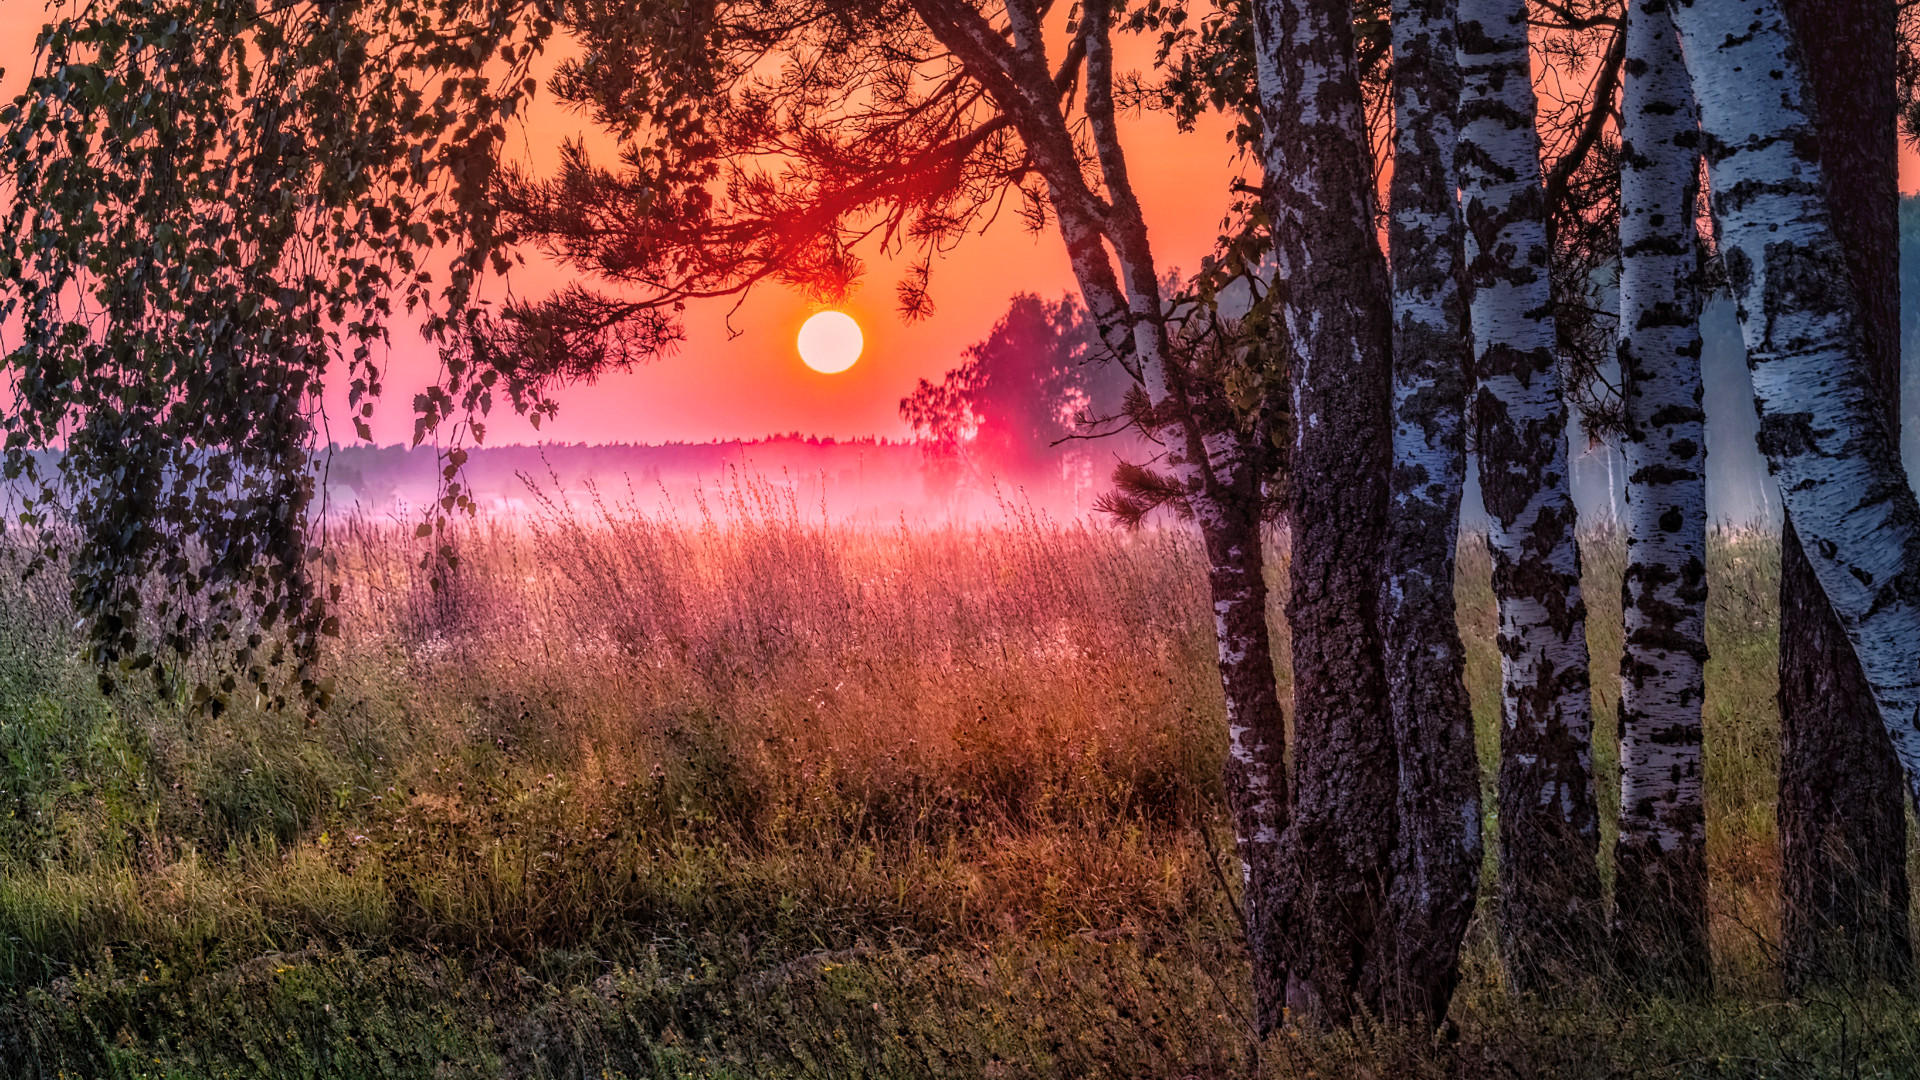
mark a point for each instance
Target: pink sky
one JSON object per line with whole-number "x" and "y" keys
{"x": 751, "y": 381}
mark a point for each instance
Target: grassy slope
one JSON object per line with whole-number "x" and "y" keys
{"x": 763, "y": 798}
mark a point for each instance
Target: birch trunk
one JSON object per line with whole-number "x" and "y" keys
{"x": 1255, "y": 766}
{"x": 1436, "y": 859}
{"x": 1338, "y": 844}
{"x": 1224, "y": 467}
{"x": 1842, "y": 813}
{"x": 1549, "y": 834}
{"x": 1660, "y": 883}
{"x": 1820, "y": 426}
{"x": 1222, "y": 464}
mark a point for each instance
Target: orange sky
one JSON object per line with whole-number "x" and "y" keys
{"x": 752, "y": 382}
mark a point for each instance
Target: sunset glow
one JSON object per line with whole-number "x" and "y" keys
{"x": 1095, "y": 677}
{"x": 830, "y": 342}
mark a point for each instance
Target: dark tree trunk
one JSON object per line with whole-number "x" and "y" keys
{"x": 1842, "y": 818}
{"x": 1255, "y": 769}
{"x": 1436, "y": 864}
{"x": 1843, "y": 827}
{"x": 1339, "y": 841}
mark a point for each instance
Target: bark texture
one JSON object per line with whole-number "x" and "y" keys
{"x": 1822, "y": 428}
{"x": 1255, "y": 768}
{"x": 1334, "y": 303}
{"x": 1843, "y": 825}
{"x": 1549, "y": 827}
{"x": 1437, "y": 854}
{"x": 1660, "y": 858}
{"x": 1220, "y": 459}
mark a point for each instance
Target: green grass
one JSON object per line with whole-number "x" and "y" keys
{"x": 751, "y": 796}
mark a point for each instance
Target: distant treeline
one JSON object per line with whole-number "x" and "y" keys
{"x": 395, "y": 478}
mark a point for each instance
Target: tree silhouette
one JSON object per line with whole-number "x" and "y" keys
{"x": 1019, "y": 393}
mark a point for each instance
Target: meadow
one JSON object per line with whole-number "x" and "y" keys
{"x": 747, "y": 793}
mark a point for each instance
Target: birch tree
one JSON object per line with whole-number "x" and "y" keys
{"x": 1820, "y": 428}
{"x": 1334, "y": 305}
{"x": 1436, "y": 859}
{"x": 1660, "y": 883}
{"x": 1549, "y": 829}
{"x": 208, "y": 209}
{"x": 1842, "y": 813}
{"x": 1222, "y": 464}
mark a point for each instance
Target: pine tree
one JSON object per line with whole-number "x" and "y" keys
{"x": 927, "y": 116}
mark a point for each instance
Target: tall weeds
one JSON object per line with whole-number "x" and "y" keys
{"x": 749, "y": 793}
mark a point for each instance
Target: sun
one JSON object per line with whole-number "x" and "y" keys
{"x": 830, "y": 342}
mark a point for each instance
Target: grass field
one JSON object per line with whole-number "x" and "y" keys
{"x": 748, "y": 795}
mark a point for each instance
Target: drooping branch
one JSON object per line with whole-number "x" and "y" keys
{"x": 885, "y": 133}
{"x": 212, "y": 208}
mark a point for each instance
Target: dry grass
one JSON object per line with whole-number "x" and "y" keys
{"x": 755, "y": 795}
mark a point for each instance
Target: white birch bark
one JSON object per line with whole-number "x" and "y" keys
{"x": 1223, "y": 467}
{"x": 1842, "y": 809}
{"x": 1825, "y": 442}
{"x": 1660, "y": 888}
{"x": 1437, "y": 853}
{"x": 1549, "y": 827}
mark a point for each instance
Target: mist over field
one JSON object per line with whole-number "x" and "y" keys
{"x": 887, "y": 479}
{"x": 884, "y": 481}
{"x": 866, "y": 481}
